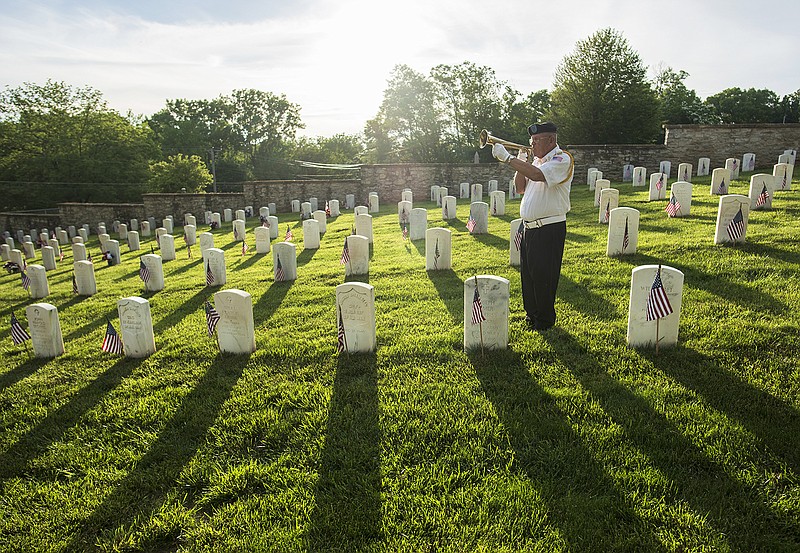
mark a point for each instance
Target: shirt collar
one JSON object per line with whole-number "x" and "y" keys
{"x": 549, "y": 155}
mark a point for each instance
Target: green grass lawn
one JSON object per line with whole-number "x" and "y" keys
{"x": 567, "y": 441}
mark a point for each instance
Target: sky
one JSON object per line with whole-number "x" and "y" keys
{"x": 334, "y": 58}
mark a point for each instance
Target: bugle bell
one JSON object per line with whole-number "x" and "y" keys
{"x": 487, "y": 138}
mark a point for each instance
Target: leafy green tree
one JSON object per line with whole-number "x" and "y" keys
{"x": 679, "y": 105}
{"x": 601, "y": 94}
{"x": 734, "y": 105}
{"x": 790, "y": 104}
{"x": 179, "y": 173}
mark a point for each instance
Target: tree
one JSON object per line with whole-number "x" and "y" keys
{"x": 679, "y": 105}
{"x": 179, "y": 173}
{"x": 734, "y": 105}
{"x": 790, "y": 105}
{"x": 601, "y": 94}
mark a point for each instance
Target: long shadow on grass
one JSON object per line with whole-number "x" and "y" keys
{"x": 451, "y": 290}
{"x": 771, "y": 420}
{"x": 716, "y": 284}
{"x": 771, "y": 251}
{"x": 14, "y": 460}
{"x": 22, "y": 371}
{"x": 270, "y": 301}
{"x": 305, "y": 256}
{"x": 581, "y": 501}
{"x": 586, "y": 301}
{"x": 347, "y": 512}
{"x": 696, "y": 480}
{"x": 142, "y": 492}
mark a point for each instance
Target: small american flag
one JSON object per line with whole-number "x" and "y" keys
{"x": 341, "y": 338}
{"x": 723, "y": 188}
{"x": 345, "y": 254}
{"x": 607, "y": 213}
{"x": 658, "y": 305}
{"x": 279, "y": 276}
{"x": 189, "y": 250}
{"x": 626, "y": 240}
{"x": 477, "y": 307}
{"x": 518, "y": 235}
{"x": 244, "y": 247}
{"x": 74, "y": 284}
{"x": 209, "y": 275}
{"x": 18, "y": 334}
{"x": 763, "y": 197}
{"x": 212, "y": 318}
{"x": 289, "y": 234}
{"x": 235, "y": 233}
{"x": 471, "y": 223}
{"x": 26, "y": 280}
{"x": 736, "y": 226}
{"x": 327, "y": 209}
{"x": 444, "y": 211}
{"x": 405, "y": 232}
{"x": 60, "y": 254}
{"x": 111, "y": 342}
{"x": 436, "y": 255}
{"x": 494, "y": 207}
{"x": 144, "y": 272}
{"x": 660, "y": 182}
{"x": 673, "y": 206}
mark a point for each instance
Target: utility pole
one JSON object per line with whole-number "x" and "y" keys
{"x": 214, "y": 170}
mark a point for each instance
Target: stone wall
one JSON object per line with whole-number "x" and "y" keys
{"x": 28, "y": 220}
{"x": 79, "y": 213}
{"x": 282, "y": 192}
{"x": 161, "y": 205}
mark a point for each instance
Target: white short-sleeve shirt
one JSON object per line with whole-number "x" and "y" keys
{"x": 550, "y": 197}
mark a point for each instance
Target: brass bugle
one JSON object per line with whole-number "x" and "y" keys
{"x": 487, "y": 138}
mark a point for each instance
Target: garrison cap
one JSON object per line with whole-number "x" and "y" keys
{"x": 539, "y": 128}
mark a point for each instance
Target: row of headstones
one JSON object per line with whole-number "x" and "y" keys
{"x": 356, "y": 321}
{"x": 472, "y": 191}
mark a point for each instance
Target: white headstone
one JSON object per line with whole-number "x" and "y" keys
{"x": 358, "y": 252}
{"x": 322, "y": 218}
{"x": 448, "y": 208}
{"x": 273, "y": 209}
{"x": 206, "y": 242}
{"x": 599, "y": 185}
{"x": 29, "y": 250}
{"x": 364, "y": 225}
{"x": 136, "y": 327}
{"x": 314, "y": 203}
{"x": 16, "y": 257}
{"x": 641, "y": 331}
{"x": 516, "y": 234}
{"x": 658, "y": 186}
{"x": 463, "y": 190}
{"x": 155, "y": 278}
{"x": 72, "y": 231}
{"x": 434, "y": 192}
{"x": 732, "y": 216}
{"x": 349, "y": 201}
{"x": 48, "y": 257}
{"x": 762, "y": 189}
{"x": 609, "y": 199}
{"x": 214, "y": 262}
{"x": 239, "y": 230}
{"x": 334, "y": 207}
{"x": 167, "y": 247}
{"x": 666, "y": 168}
{"x": 703, "y": 166}
{"x": 639, "y": 176}
{"x": 295, "y": 206}
{"x": 240, "y": 215}
{"x": 5, "y": 252}
{"x": 310, "y": 234}
{"x": 168, "y": 224}
{"x": 123, "y": 231}
{"x": 84, "y": 278}
{"x": 623, "y": 231}
{"x": 374, "y": 204}
{"x": 83, "y": 233}
{"x": 438, "y": 249}
{"x": 404, "y": 212}
{"x": 103, "y": 239}
{"x": 720, "y": 181}
{"x": 593, "y": 175}
{"x": 783, "y": 173}
{"x": 497, "y": 202}
{"x": 227, "y": 215}
{"x": 112, "y": 249}
{"x": 512, "y": 190}
{"x": 443, "y": 192}
{"x": 732, "y": 165}
{"x": 792, "y": 153}
{"x": 273, "y": 226}
{"x": 627, "y": 172}
{"x": 418, "y": 223}
{"x": 133, "y": 241}
{"x": 784, "y": 158}
{"x": 407, "y": 196}
{"x": 78, "y": 252}
{"x": 236, "y": 328}
{"x": 479, "y": 211}
{"x": 492, "y": 185}
{"x": 216, "y": 219}
{"x": 361, "y": 210}
{"x": 262, "y": 239}
{"x": 63, "y": 237}
{"x": 190, "y": 235}
{"x": 685, "y": 172}
{"x": 160, "y": 231}
{"x": 45, "y": 330}
{"x": 284, "y": 261}
{"x": 683, "y": 195}
{"x": 39, "y": 288}
{"x": 494, "y": 297}
{"x": 355, "y": 306}
{"x": 146, "y": 228}
{"x": 476, "y": 193}
{"x": 10, "y": 242}
{"x": 263, "y": 211}
{"x": 749, "y": 162}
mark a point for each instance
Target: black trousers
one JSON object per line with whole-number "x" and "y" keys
{"x": 541, "y": 255}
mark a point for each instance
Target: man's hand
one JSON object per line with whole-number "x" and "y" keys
{"x": 522, "y": 155}
{"x": 500, "y": 153}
